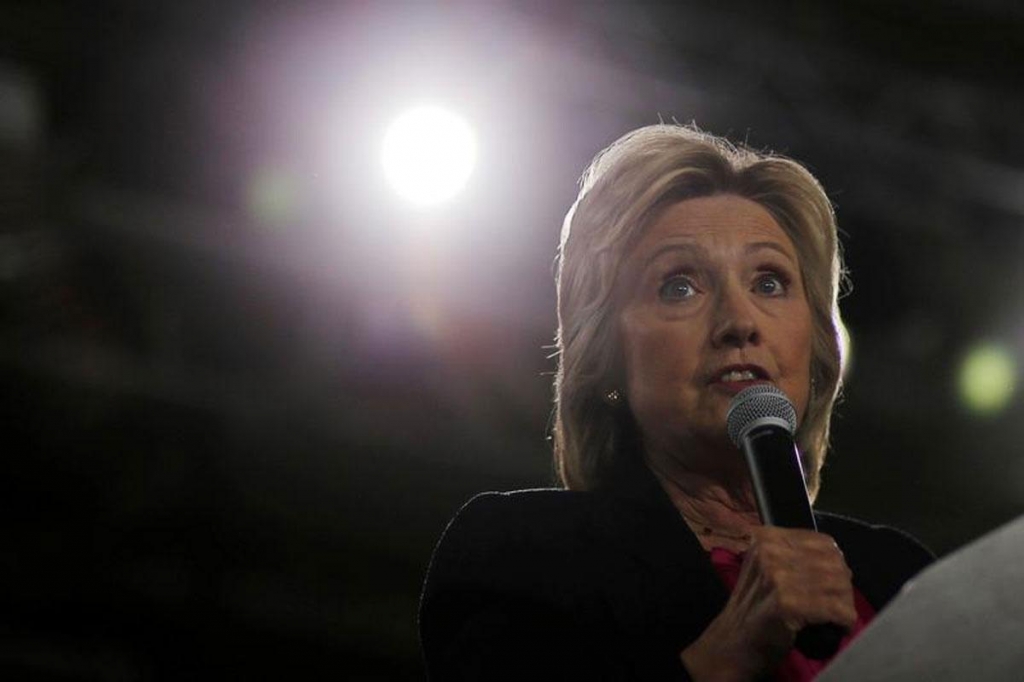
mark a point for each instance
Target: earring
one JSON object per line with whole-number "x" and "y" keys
{"x": 613, "y": 397}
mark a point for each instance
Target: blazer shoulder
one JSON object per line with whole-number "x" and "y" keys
{"x": 508, "y": 548}
{"x": 520, "y": 509}
{"x": 881, "y": 557}
{"x": 493, "y": 526}
{"x": 857, "y": 531}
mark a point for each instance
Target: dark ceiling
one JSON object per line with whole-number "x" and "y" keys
{"x": 232, "y": 437}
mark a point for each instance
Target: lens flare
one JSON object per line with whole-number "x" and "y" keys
{"x": 273, "y": 196}
{"x": 987, "y": 378}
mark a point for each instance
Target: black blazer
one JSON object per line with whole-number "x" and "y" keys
{"x": 607, "y": 585}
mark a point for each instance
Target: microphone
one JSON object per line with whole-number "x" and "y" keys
{"x": 761, "y": 422}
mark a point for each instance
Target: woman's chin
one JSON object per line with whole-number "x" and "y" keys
{"x": 704, "y": 449}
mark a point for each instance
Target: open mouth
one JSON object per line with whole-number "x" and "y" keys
{"x": 734, "y": 375}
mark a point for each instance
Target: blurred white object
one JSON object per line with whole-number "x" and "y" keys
{"x": 961, "y": 619}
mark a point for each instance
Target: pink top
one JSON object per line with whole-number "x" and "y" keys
{"x": 795, "y": 667}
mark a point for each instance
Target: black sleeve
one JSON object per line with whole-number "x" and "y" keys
{"x": 499, "y": 603}
{"x": 905, "y": 558}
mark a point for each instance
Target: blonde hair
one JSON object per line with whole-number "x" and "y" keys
{"x": 622, "y": 192}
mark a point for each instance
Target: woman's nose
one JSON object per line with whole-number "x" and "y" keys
{"x": 735, "y": 320}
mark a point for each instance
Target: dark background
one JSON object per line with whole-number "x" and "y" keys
{"x": 244, "y": 387}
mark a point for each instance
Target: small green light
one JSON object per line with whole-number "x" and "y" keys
{"x": 988, "y": 378}
{"x": 273, "y": 196}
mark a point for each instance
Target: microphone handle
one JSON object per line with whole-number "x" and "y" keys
{"x": 820, "y": 641}
{"x": 781, "y": 493}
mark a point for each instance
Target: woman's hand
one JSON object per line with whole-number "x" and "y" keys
{"x": 790, "y": 578}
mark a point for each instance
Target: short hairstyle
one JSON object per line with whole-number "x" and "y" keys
{"x": 622, "y": 193}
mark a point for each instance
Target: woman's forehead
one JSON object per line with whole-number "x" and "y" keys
{"x": 712, "y": 223}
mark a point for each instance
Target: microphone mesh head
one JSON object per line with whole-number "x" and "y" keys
{"x": 756, "y": 404}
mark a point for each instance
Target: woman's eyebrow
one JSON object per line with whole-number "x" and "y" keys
{"x": 691, "y": 249}
{"x": 773, "y": 246}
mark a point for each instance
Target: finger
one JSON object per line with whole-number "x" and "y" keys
{"x": 797, "y": 610}
{"x": 806, "y": 575}
{"x": 814, "y": 546}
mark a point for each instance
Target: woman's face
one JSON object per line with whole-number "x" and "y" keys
{"x": 712, "y": 301}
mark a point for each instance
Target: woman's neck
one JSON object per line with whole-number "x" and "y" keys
{"x": 719, "y": 506}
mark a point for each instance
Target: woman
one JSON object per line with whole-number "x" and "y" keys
{"x": 689, "y": 270}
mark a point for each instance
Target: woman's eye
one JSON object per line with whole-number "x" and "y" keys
{"x": 770, "y": 284}
{"x": 677, "y": 289}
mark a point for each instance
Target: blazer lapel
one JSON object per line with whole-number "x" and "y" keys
{"x": 661, "y": 584}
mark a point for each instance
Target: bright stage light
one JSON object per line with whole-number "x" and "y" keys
{"x": 988, "y": 377}
{"x": 428, "y": 154}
